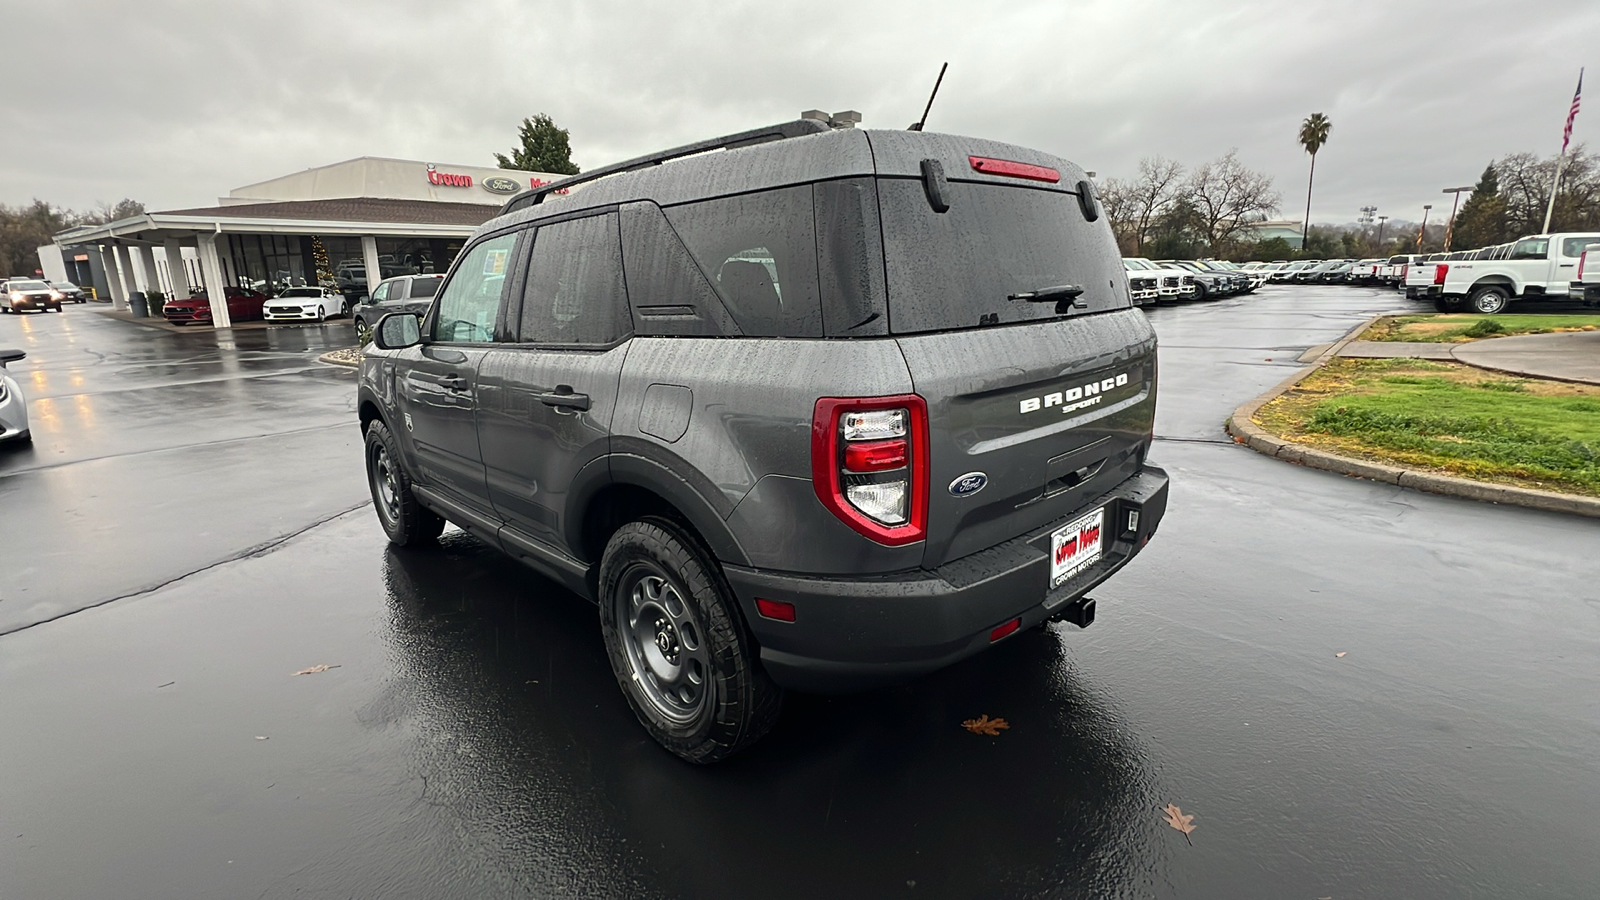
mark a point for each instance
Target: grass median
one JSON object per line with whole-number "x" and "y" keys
{"x": 1450, "y": 328}
{"x": 1447, "y": 418}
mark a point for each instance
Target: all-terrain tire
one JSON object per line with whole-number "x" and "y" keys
{"x": 405, "y": 520}
{"x": 1490, "y": 299}
{"x": 678, "y": 643}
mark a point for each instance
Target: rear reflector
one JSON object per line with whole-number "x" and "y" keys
{"x": 1001, "y": 631}
{"x": 775, "y": 609}
{"x": 876, "y": 456}
{"x": 1013, "y": 169}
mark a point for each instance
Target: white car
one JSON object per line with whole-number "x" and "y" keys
{"x": 1171, "y": 284}
{"x": 13, "y": 407}
{"x": 305, "y": 304}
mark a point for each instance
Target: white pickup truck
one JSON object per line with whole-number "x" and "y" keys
{"x": 1585, "y": 284}
{"x": 1533, "y": 268}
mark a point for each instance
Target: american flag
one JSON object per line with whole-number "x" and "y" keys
{"x": 1577, "y": 99}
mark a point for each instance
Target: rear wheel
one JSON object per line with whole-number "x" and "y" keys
{"x": 1490, "y": 299}
{"x": 406, "y": 521}
{"x": 678, "y": 646}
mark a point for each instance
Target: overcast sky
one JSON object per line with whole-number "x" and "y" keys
{"x": 176, "y": 103}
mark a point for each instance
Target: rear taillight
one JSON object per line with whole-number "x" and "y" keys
{"x": 1583, "y": 260}
{"x": 1439, "y": 273}
{"x": 869, "y": 464}
{"x": 1404, "y": 271}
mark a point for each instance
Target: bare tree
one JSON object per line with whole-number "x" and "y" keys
{"x": 1152, "y": 195}
{"x": 1116, "y": 197}
{"x": 1227, "y": 197}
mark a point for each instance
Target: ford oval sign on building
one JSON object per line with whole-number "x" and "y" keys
{"x": 969, "y": 484}
{"x": 499, "y": 184}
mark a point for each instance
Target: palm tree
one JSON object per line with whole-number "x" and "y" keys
{"x": 1313, "y": 134}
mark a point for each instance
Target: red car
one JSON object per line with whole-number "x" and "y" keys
{"x": 243, "y": 304}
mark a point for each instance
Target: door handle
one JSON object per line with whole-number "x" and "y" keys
{"x": 563, "y": 398}
{"x": 453, "y": 383}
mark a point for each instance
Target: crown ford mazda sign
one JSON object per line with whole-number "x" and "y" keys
{"x": 448, "y": 180}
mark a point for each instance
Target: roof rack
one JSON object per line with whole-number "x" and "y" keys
{"x": 798, "y": 128}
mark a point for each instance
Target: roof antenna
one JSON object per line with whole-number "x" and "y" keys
{"x": 917, "y": 126}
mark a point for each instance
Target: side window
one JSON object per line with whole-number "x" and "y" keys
{"x": 760, "y": 253}
{"x": 1573, "y": 247}
{"x": 574, "y": 292}
{"x": 467, "y": 305}
{"x": 424, "y": 287}
{"x": 381, "y": 294}
{"x": 1533, "y": 249}
{"x": 668, "y": 292}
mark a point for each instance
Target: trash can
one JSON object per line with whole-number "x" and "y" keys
{"x": 136, "y": 303}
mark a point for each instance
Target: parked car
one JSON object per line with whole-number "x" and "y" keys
{"x": 1585, "y": 285}
{"x": 13, "y": 406}
{"x": 1365, "y": 271}
{"x": 408, "y": 293}
{"x": 1208, "y": 285}
{"x": 67, "y": 292}
{"x": 244, "y": 304}
{"x": 785, "y": 455}
{"x": 1336, "y": 274}
{"x": 1173, "y": 284}
{"x": 1290, "y": 271}
{"x": 18, "y": 294}
{"x": 305, "y": 304}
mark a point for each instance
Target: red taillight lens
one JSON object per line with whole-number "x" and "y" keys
{"x": 869, "y": 464}
{"x": 1404, "y": 271}
{"x": 1583, "y": 260}
{"x": 1013, "y": 169}
{"x": 1005, "y": 630}
{"x": 775, "y": 609}
{"x": 1439, "y": 273}
{"x": 876, "y": 456}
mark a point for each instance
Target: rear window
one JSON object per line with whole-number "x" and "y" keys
{"x": 956, "y": 269}
{"x": 425, "y": 287}
{"x": 1574, "y": 246}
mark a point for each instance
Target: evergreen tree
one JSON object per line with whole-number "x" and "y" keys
{"x": 1482, "y": 220}
{"x": 545, "y": 148}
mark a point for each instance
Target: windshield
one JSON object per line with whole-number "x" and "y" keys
{"x": 302, "y": 292}
{"x": 958, "y": 268}
{"x": 29, "y": 286}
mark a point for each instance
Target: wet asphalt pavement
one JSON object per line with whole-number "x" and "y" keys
{"x": 201, "y": 500}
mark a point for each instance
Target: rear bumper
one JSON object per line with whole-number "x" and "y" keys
{"x": 853, "y": 634}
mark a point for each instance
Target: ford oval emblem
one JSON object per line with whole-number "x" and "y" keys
{"x": 969, "y": 484}
{"x": 500, "y": 184}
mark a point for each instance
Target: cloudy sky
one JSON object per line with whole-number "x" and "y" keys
{"x": 175, "y": 103}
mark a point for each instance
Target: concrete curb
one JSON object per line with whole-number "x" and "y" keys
{"x": 1245, "y": 431}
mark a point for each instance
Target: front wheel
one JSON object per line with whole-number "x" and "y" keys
{"x": 678, "y": 646}
{"x": 1490, "y": 300}
{"x": 405, "y": 520}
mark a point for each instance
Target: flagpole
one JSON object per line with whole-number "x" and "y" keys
{"x": 1554, "y": 185}
{"x": 1561, "y": 158}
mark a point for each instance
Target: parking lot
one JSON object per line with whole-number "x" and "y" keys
{"x": 1358, "y": 690}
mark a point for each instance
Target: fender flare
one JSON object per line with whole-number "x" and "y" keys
{"x": 641, "y": 465}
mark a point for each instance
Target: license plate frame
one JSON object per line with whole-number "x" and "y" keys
{"x": 1076, "y": 546}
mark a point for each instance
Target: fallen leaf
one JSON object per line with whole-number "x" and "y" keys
{"x": 1178, "y": 820}
{"x": 985, "y": 725}
{"x": 1339, "y": 655}
{"x": 313, "y": 670}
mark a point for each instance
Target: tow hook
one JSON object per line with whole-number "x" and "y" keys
{"x": 1079, "y": 612}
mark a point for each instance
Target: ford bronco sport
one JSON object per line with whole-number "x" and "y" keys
{"x": 830, "y": 409}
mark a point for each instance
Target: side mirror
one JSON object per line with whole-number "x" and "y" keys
{"x": 397, "y": 331}
{"x": 11, "y": 356}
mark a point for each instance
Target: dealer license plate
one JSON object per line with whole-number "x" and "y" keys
{"x": 1076, "y": 546}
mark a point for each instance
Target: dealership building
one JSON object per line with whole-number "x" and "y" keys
{"x": 351, "y": 223}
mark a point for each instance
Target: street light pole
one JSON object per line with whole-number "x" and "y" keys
{"x": 1421, "y": 232}
{"x": 1381, "y": 220}
{"x": 1450, "y": 229}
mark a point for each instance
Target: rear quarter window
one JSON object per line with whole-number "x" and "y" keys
{"x": 759, "y": 253}
{"x": 956, "y": 269}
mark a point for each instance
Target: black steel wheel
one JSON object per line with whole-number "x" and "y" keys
{"x": 406, "y": 521}
{"x": 678, "y": 645}
{"x": 1490, "y": 299}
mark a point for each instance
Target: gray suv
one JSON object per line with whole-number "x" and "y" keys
{"x": 831, "y": 409}
{"x": 407, "y": 293}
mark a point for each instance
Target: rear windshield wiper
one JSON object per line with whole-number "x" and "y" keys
{"x": 1064, "y": 296}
